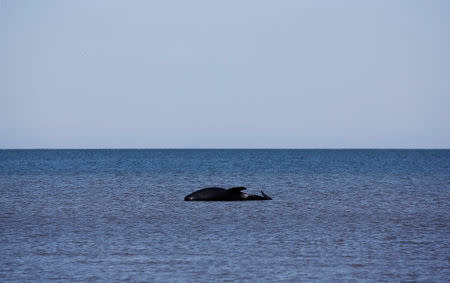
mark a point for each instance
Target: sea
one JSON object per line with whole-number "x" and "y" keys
{"x": 119, "y": 216}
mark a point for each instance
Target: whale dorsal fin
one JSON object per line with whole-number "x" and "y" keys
{"x": 236, "y": 189}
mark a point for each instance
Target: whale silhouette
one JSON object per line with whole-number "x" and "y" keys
{"x": 220, "y": 194}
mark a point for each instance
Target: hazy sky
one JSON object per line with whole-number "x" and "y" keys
{"x": 280, "y": 74}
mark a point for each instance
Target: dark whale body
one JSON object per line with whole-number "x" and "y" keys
{"x": 220, "y": 194}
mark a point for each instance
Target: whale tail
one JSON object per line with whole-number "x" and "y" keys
{"x": 265, "y": 196}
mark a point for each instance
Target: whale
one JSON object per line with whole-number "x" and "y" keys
{"x": 221, "y": 194}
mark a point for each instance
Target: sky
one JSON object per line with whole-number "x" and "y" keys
{"x": 225, "y": 74}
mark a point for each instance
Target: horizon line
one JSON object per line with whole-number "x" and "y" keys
{"x": 228, "y": 148}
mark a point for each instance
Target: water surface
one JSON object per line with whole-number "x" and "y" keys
{"x": 119, "y": 215}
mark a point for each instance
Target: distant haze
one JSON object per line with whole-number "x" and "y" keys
{"x": 252, "y": 74}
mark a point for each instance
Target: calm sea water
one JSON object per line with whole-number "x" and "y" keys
{"x": 119, "y": 215}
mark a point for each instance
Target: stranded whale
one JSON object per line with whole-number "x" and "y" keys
{"x": 219, "y": 194}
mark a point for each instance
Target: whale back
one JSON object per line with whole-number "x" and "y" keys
{"x": 212, "y": 193}
{"x": 220, "y": 194}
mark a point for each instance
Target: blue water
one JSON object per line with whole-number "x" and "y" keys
{"x": 119, "y": 215}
